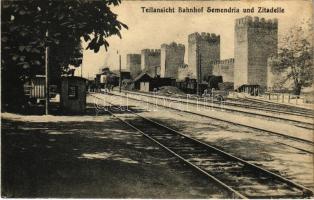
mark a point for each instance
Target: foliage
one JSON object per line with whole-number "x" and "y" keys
{"x": 295, "y": 57}
{"x": 28, "y": 26}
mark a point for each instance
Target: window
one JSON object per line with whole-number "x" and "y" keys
{"x": 72, "y": 91}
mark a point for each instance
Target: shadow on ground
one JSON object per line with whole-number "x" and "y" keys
{"x": 91, "y": 159}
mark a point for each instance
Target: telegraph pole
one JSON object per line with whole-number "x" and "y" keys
{"x": 197, "y": 70}
{"x": 120, "y": 78}
{"x": 46, "y": 80}
{"x": 47, "y": 63}
{"x": 200, "y": 71}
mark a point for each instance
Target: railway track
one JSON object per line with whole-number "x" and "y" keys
{"x": 217, "y": 105}
{"x": 293, "y": 138}
{"x": 262, "y": 105}
{"x": 269, "y": 106}
{"x": 241, "y": 178}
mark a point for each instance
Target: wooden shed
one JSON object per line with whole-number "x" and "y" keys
{"x": 146, "y": 83}
{"x": 73, "y": 95}
{"x": 142, "y": 81}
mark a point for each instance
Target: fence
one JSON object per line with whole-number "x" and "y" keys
{"x": 284, "y": 97}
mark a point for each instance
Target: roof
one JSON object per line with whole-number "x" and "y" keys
{"x": 116, "y": 71}
{"x": 74, "y": 77}
{"x": 141, "y": 75}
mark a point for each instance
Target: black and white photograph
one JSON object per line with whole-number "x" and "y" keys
{"x": 157, "y": 99}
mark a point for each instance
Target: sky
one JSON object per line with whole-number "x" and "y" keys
{"x": 150, "y": 30}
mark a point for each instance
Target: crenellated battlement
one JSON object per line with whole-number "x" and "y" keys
{"x": 151, "y": 52}
{"x": 256, "y": 22}
{"x": 173, "y": 45}
{"x": 208, "y": 37}
{"x": 225, "y": 61}
{"x": 133, "y": 55}
{"x": 132, "y": 58}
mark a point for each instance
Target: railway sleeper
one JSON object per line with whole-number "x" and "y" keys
{"x": 163, "y": 137}
{"x": 218, "y": 163}
{"x": 189, "y": 153}
{"x": 182, "y": 145}
{"x": 160, "y": 135}
{"x": 191, "y": 148}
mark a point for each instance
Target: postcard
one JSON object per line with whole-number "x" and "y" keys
{"x": 156, "y": 99}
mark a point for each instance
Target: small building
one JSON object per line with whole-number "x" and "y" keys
{"x": 145, "y": 82}
{"x": 141, "y": 82}
{"x": 73, "y": 95}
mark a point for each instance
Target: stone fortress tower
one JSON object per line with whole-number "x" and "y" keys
{"x": 150, "y": 61}
{"x": 172, "y": 57}
{"x": 133, "y": 64}
{"x": 208, "y": 46}
{"x": 255, "y": 41}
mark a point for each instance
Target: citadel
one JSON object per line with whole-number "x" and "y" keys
{"x": 256, "y": 40}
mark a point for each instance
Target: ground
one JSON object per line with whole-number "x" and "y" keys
{"x": 272, "y": 152}
{"x": 96, "y": 156}
{"x": 90, "y": 156}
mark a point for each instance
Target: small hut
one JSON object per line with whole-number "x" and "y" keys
{"x": 73, "y": 95}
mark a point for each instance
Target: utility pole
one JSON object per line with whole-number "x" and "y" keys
{"x": 200, "y": 71}
{"x": 47, "y": 63}
{"x": 120, "y": 78}
{"x": 197, "y": 69}
{"x": 46, "y": 79}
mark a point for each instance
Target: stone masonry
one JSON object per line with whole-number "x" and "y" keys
{"x": 150, "y": 61}
{"x": 208, "y": 46}
{"x": 224, "y": 68}
{"x": 255, "y": 41}
{"x": 172, "y": 57}
{"x": 133, "y": 64}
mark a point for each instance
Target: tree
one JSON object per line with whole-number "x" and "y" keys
{"x": 28, "y": 26}
{"x": 295, "y": 57}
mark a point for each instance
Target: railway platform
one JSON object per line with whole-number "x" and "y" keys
{"x": 90, "y": 156}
